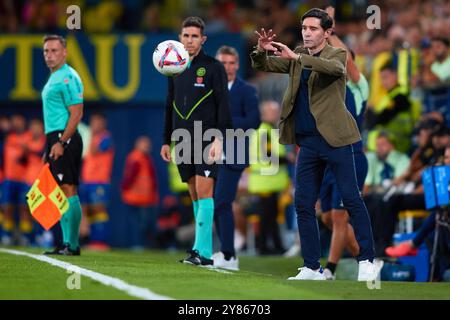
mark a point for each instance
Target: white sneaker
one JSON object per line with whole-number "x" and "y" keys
{"x": 328, "y": 274}
{"x": 308, "y": 274}
{"x": 220, "y": 262}
{"x": 368, "y": 271}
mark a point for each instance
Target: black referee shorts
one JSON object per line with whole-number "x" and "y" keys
{"x": 66, "y": 169}
{"x": 190, "y": 168}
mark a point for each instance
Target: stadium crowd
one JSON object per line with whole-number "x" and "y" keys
{"x": 406, "y": 128}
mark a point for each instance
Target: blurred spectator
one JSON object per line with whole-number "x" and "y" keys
{"x": 394, "y": 113}
{"x": 95, "y": 186}
{"x": 385, "y": 165}
{"x": 440, "y": 139}
{"x": 427, "y": 78}
{"x": 268, "y": 187}
{"x": 382, "y": 51}
{"x": 140, "y": 192}
{"x": 14, "y": 185}
{"x": 435, "y": 77}
{"x": 441, "y": 64}
{"x": 405, "y": 195}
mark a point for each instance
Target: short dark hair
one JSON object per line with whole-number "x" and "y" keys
{"x": 194, "y": 22}
{"x": 444, "y": 40}
{"x": 228, "y": 50}
{"x": 61, "y": 39}
{"x": 326, "y": 22}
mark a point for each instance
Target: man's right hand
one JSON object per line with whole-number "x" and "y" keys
{"x": 265, "y": 40}
{"x": 165, "y": 153}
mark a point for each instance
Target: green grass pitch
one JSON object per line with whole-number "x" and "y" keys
{"x": 263, "y": 278}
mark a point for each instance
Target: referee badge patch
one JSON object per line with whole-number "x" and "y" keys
{"x": 201, "y": 72}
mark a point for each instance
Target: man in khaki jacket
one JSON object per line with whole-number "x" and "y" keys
{"x": 314, "y": 117}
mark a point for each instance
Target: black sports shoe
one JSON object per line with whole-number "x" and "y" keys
{"x": 196, "y": 259}
{"x": 57, "y": 251}
{"x": 69, "y": 252}
{"x": 192, "y": 258}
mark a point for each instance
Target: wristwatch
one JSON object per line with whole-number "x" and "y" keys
{"x": 63, "y": 143}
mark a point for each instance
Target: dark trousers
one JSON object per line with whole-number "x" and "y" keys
{"x": 224, "y": 195}
{"x": 269, "y": 228}
{"x": 385, "y": 216}
{"x": 315, "y": 154}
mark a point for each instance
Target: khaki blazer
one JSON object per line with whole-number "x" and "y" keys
{"x": 326, "y": 90}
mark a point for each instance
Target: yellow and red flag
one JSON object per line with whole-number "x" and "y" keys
{"x": 46, "y": 200}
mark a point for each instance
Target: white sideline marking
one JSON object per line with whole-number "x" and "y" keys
{"x": 217, "y": 270}
{"x": 134, "y": 291}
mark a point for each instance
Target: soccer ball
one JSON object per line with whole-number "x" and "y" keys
{"x": 170, "y": 58}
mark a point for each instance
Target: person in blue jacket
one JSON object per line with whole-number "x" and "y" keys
{"x": 244, "y": 109}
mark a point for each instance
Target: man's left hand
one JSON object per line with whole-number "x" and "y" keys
{"x": 283, "y": 51}
{"x": 56, "y": 151}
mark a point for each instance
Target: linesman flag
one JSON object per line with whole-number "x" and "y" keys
{"x": 46, "y": 200}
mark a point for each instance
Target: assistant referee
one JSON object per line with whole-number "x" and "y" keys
{"x": 62, "y": 99}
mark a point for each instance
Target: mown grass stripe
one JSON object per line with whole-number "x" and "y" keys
{"x": 134, "y": 291}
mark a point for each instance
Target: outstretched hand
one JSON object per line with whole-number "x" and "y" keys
{"x": 265, "y": 39}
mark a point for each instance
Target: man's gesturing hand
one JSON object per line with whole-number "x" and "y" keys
{"x": 265, "y": 40}
{"x": 283, "y": 51}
